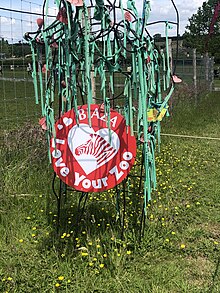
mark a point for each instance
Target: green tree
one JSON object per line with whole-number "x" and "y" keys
{"x": 21, "y": 49}
{"x": 197, "y": 31}
{"x": 4, "y": 47}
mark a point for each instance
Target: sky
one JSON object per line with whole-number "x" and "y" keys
{"x": 14, "y": 25}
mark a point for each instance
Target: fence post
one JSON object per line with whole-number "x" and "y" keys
{"x": 207, "y": 67}
{"x": 211, "y": 73}
{"x": 194, "y": 75}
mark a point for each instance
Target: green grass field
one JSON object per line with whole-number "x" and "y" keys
{"x": 180, "y": 249}
{"x": 217, "y": 82}
{"x": 17, "y": 100}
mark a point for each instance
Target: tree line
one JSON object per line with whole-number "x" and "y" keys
{"x": 16, "y": 50}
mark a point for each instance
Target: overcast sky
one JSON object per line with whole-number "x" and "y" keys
{"x": 14, "y": 25}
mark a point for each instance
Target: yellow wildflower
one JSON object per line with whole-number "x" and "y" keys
{"x": 84, "y": 254}
{"x": 60, "y": 278}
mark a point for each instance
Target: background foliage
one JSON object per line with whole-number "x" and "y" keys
{"x": 197, "y": 31}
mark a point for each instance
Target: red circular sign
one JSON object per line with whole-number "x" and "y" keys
{"x": 92, "y": 159}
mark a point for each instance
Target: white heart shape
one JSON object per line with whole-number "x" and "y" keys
{"x": 67, "y": 121}
{"x": 60, "y": 126}
{"x": 92, "y": 149}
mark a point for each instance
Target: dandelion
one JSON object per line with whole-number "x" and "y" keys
{"x": 101, "y": 265}
{"x": 33, "y": 235}
{"x": 105, "y": 255}
{"x": 91, "y": 264}
{"x": 68, "y": 281}
{"x": 167, "y": 240}
{"x": 9, "y": 278}
{"x": 21, "y": 240}
{"x": 57, "y": 285}
{"x": 118, "y": 254}
{"x": 182, "y": 246}
{"x": 28, "y": 218}
{"x": 173, "y": 233}
{"x": 84, "y": 254}
{"x": 216, "y": 242}
{"x": 60, "y": 278}
{"x": 34, "y": 228}
{"x": 90, "y": 243}
{"x": 84, "y": 232}
{"x": 98, "y": 246}
{"x": 128, "y": 252}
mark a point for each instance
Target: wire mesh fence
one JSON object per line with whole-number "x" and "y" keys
{"x": 16, "y": 85}
{"x": 194, "y": 67}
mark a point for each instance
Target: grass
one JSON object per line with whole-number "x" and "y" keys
{"x": 17, "y": 101}
{"x": 190, "y": 119}
{"x": 179, "y": 251}
{"x": 217, "y": 82}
